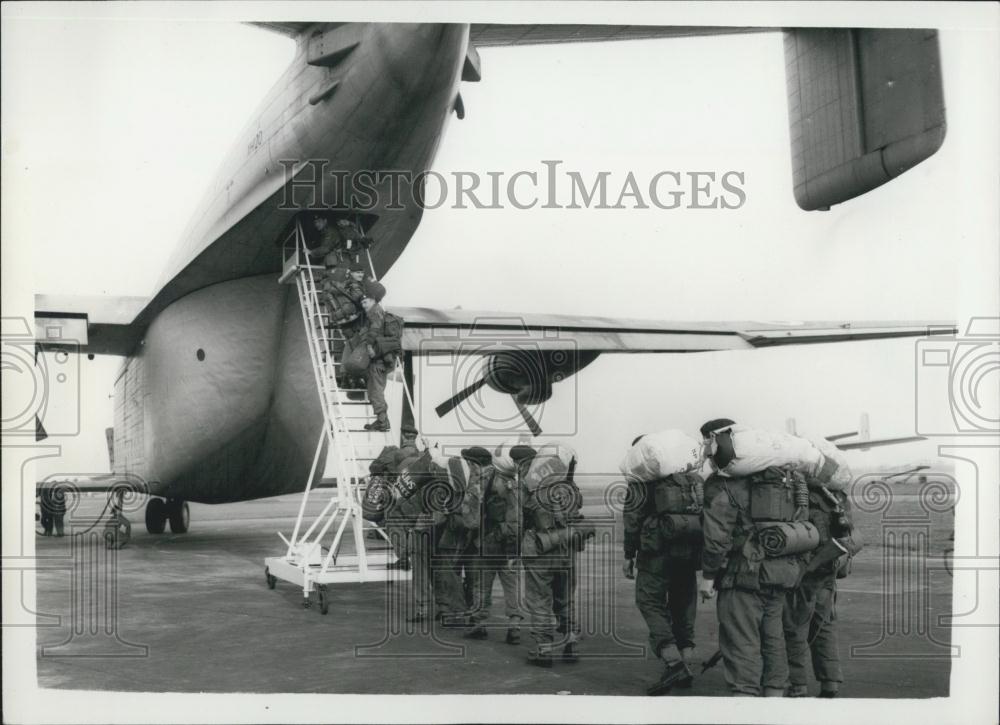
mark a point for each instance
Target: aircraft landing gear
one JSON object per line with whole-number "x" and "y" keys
{"x": 179, "y": 516}
{"x": 156, "y": 515}
{"x": 159, "y": 512}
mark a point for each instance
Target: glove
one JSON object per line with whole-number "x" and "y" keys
{"x": 628, "y": 568}
{"x": 706, "y": 588}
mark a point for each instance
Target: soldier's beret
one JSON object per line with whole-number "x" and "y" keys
{"x": 477, "y": 455}
{"x": 522, "y": 453}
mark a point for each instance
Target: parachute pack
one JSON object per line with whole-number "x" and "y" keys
{"x": 740, "y": 452}
{"x": 658, "y": 455}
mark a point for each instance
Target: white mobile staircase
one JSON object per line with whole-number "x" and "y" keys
{"x": 311, "y": 559}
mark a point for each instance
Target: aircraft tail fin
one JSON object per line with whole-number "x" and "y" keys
{"x": 864, "y": 429}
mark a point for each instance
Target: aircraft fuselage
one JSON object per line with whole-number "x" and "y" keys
{"x": 218, "y": 401}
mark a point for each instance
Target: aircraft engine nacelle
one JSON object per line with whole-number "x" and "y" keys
{"x": 526, "y": 374}
{"x": 530, "y": 374}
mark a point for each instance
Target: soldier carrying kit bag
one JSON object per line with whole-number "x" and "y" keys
{"x": 553, "y": 501}
{"x": 739, "y": 451}
{"x": 677, "y": 502}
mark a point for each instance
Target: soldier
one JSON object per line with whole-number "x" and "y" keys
{"x": 410, "y": 514}
{"x": 668, "y": 558}
{"x": 342, "y": 296}
{"x": 456, "y": 517}
{"x": 382, "y": 334}
{"x": 53, "y": 509}
{"x": 751, "y": 587}
{"x": 395, "y": 523}
{"x": 486, "y": 557}
{"x": 809, "y": 618}
{"x": 549, "y": 503}
{"x": 338, "y": 245}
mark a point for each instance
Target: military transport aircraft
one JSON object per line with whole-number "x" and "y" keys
{"x": 216, "y": 400}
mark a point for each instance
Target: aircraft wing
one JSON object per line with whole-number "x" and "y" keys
{"x": 864, "y": 104}
{"x": 101, "y": 324}
{"x": 432, "y": 331}
{"x": 288, "y": 29}
{"x": 99, "y": 483}
{"x": 494, "y": 35}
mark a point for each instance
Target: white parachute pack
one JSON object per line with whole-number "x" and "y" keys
{"x": 658, "y": 455}
{"x": 502, "y": 461}
{"x": 841, "y": 478}
{"x": 756, "y": 450}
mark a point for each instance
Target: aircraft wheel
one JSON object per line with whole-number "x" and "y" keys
{"x": 324, "y": 599}
{"x": 179, "y": 515}
{"x": 156, "y": 515}
{"x": 117, "y": 532}
{"x": 271, "y": 580}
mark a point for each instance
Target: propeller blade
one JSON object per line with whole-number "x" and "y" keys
{"x": 536, "y": 429}
{"x": 449, "y": 405}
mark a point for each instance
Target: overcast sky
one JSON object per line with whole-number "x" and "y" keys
{"x": 112, "y": 129}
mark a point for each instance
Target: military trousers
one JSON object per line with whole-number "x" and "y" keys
{"x": 666, "y": 593}
{"x": 751, "y": 638}
{"x": 810, "y": 629}
{"x": 449, "y": 591}
{"x": 420, "y": 561}
{"x": 485, "y": 571}
{"x": 378, "y": 374}
{"x": 550, "y": 596}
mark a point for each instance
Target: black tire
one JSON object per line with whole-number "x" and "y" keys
{"x": 324, "y": 599}
{"x": 271, "y": 580}
{"x": 156, "y": 516}
{"x": 179, "y": 515}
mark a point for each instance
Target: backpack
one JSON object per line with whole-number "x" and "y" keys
{"x": 676, "y": 494}
{"x": 552, "y": 498}
{"x": 390, "y": 341}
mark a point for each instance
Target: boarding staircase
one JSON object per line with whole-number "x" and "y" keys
{"x": 312, "y": 559}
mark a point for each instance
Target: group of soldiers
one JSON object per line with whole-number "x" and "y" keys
{"x": 462, "y": 522}
{"x": 372, "y": 336}
{"x": 513, "y": 513}
{"x": 775, "y": 612}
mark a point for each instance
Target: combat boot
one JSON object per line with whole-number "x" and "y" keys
{"x": 542, "y": 657}
{"x": 828, "y": 689}
{"x": 569, "y": 651}
{"x": 675, "y": 672}
{"x": 687, "y": 657}
{"x": 477, "y": 632}
{"x": 514, "y": 635}
{"x": 797, "y": 691}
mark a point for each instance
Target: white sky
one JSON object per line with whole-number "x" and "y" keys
{"x": 112, "y": 129}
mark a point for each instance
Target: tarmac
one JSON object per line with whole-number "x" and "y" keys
{"x": 192, "y": 613}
